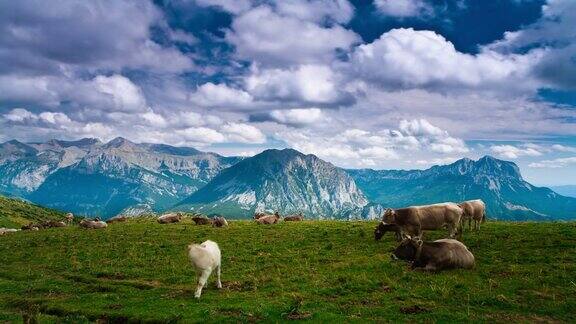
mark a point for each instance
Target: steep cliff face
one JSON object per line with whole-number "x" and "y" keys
{"x": 280, "y": 180}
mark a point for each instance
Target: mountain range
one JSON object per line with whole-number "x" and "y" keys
{"x": 497, "y": 182}
{"x": 94, "y": 178}
{"x": 90, "y": 177}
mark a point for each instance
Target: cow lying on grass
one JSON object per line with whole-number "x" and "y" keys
{"x": 201, "y": 220}
{"x": 117, "y": 219}
{"x": 4, "y": 230}
{"x": 87, "y": 223}
{"x": 169, "y": 218}
{"x": 205, "y": 258}
{"x": 413, "y": 220}
{"x": 259, "y": 215}
{"x": 473, "y": 210}
{"x": 219, "y": 221}
{"x": 269, "y": 219}
{"x": 46, "y": 224}
{"x": 434, "y": 256}
{"x": 294, "y": 218}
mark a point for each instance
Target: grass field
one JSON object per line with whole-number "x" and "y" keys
{"x": 14, "y": 213}
{"x": 319, "y": 270}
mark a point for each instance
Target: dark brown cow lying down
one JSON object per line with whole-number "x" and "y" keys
{"x": 415, "y": 219}
{"x": 201, "y": 220}
{"x": 473, "y": 210}
{"x": 434, "y": 256}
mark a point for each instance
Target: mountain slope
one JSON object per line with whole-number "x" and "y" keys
{"x": 24, "y": 167}
{"x": 279, "y": 180}
{"x": 14, "y": 213}
{"x": 121, "y": 174}
{"x": 499, "y": 183}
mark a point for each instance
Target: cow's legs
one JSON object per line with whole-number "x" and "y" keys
{"x": 218, "y": 283}
{"x": 470, "y": 224}
{"x": 202, "y": 279}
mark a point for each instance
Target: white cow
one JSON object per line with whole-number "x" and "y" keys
{"x": 205, "y": 258}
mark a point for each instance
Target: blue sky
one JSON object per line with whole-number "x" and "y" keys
{"x": 379, "y": 84}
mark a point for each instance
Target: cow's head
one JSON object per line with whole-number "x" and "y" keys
{"x": 382, "y": 228}
{"x": 389, "y": 216}
{"x": 408, "y": 249}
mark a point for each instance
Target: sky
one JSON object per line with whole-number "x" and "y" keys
{"x": 380, "y": 84}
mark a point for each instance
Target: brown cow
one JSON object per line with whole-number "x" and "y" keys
{"x": 117, "y": 219}
{"x": 269, "y": 219}
{"x": 87, "y": 223}
{"x": 50, "y": 224}
{"x": 382, "y": 228}
{"x": 413, "y": 220}
{"x": 201, "y": 220}
{"x": 219, "y": 221}
{"x": 434, "y": 256}
{"x": 294, "y": 218}
{"x": 474, "y": 210}
{"x": 259, "y": 215}
{"x": 170, "y": 218}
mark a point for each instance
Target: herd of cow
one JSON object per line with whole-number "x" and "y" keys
{"x": 407, "y": 223}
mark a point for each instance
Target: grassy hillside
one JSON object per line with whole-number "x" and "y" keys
{"x": 323, "y": 271}
{"x": 15, "y": 213}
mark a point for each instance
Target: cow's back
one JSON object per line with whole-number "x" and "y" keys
{"x": 436, "y": 216}
{"x": 453, "y": 254}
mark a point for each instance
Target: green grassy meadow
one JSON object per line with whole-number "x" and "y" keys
{"x": 326, "y": 271}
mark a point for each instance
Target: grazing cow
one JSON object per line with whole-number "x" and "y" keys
{"x": 474, "y": 210}
{"x": 170, "y": 218}
{"x": 382, "y": 228}
{"x": 205, "y": 258}
{"x": 434, "y": 256}
{"x": 69, "y": 218}
{"x": 219, "y": 221}
{"x": 117, "y": 219}
{"x": 294, "y": 218}
{"x": 4, "y": 230}
{"x": 413, "y": 220}
{"x": 88, "y": 223}
{"x": 201, "y": 220}
{"x": 269, "y": 219}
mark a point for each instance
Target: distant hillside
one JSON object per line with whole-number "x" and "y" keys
{"x": 15, "y": 213}
{"x": 95, "y": 178}
{"x": 499, "y": 183}
{"x": 568, "y": 191}
{"x": 279, "y": 180}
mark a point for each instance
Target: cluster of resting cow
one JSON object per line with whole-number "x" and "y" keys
{"x": 407, "y": 223}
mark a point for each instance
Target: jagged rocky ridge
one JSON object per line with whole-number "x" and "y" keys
{"x": 280, "y": 180}
{"x": 94, "y": 178}
{"x": 499, "y": 183}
